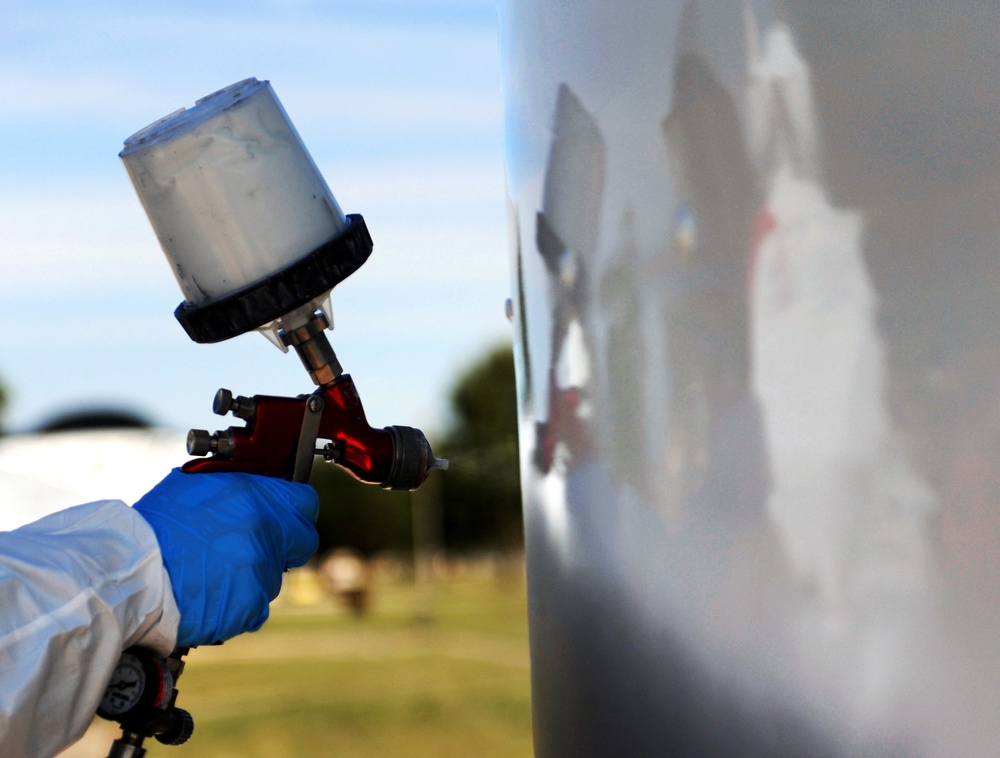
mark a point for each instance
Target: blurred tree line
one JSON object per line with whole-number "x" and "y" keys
{"x": 480, "y": 493}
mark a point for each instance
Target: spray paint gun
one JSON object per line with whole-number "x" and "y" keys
{"x": 257, "y": 242}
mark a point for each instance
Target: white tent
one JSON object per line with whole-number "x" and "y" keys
{"x": 43, "y": 473}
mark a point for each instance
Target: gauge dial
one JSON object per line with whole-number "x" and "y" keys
{"x": 126, "y": 686}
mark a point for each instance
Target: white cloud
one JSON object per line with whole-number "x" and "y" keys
{"x": 344, "y": 80}
{"x": 78, "y": 235}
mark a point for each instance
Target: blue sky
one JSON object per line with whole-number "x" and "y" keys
{"x": 399, "y": 104}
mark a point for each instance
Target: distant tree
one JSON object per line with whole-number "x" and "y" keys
{"x": 95, "y": 418}
{"x": 481, "y": 491}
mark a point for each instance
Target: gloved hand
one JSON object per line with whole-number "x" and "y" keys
{"x": 226, "y": 539}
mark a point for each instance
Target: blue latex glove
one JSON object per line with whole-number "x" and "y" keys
{"x": 226, "y": 539}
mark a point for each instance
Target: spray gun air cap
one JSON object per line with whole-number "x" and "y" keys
{"x": 246, "y": 220}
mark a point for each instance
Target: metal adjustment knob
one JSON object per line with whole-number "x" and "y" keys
{"x": 223, "y": 402}
{"x": 179, "y": 728}
{"x": 201, "y": 442}
{"x": 241, "y": 407}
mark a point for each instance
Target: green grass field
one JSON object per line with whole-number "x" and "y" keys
{"x": 425, "y": 673}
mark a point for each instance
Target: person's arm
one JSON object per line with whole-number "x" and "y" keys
{"x": 76, "y": 588}
{"x": 195, "y": 561}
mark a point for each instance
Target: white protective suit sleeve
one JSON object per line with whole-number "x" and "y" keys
{"x": 76, "y": 588}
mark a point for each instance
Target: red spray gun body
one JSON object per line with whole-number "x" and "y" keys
{"x": 281, "y": 435}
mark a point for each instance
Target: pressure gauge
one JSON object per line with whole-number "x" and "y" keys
{"x": 125, "y": 688}
{"x": 139, "y": 682}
